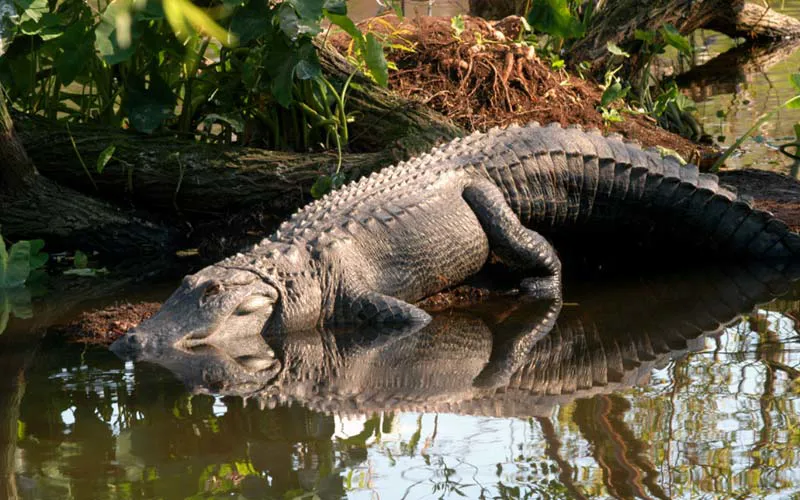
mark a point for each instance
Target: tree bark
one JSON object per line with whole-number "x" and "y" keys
{"x": 197, "y": 180}
{"x": 618, "y": 21}
{"x": 32, "y": 206}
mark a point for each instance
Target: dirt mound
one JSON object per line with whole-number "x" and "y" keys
{"x": 104, "y": 326}
{"x": 482, "y": 78}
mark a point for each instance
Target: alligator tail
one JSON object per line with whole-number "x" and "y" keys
{"x": 557, "y": 179}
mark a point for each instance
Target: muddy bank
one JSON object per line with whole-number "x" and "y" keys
{"x": 770, "y": 191}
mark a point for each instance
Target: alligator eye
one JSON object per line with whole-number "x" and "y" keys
{"x": 211, "y": 290}
{"x": 253, "y": 303}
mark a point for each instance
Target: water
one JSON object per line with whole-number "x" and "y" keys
{"x": 715, "y": 416}
{"x": 700, "y": 415}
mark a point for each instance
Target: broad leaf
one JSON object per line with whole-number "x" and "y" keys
{"x": 348, "y": 26}
{"x": 613, "y": 92}
{"x": 337, "y": 7}
{"x": 293, "y": 25}
{"x": 18, "y": 267}
{"x": 31, "y": 9}
{"x": 674, "y": 38}
{"x": 251, "y": 21}
{"x": 322, "y": 186}
{"x": 309, "y": 10}
{"x": 148, "y": 108}
{"x": 554, "y": 18}
{"x": 104, "y": 157}
{"x": 116, "y": 46}
{"x": 794, "y": 78}
{"x": 376, "y": 61}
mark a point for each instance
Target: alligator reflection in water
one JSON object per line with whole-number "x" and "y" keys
{"x": 606, "y": 338}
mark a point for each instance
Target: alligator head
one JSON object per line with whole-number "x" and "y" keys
{"x": 231, "y": 308}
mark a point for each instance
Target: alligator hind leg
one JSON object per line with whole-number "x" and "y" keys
{"x": 517, "y": 246}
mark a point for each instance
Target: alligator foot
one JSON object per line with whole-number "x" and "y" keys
{"x": 509, "y": 357}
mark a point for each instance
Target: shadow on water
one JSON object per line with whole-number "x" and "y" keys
{"x": 351, "y": 414}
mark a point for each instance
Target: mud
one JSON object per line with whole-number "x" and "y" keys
{"x": 104, "y": 326}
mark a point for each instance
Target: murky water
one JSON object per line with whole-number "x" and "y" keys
{"x": 639, "y": 391}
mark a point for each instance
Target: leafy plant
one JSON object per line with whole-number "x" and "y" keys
{"x": 237, "y": 72}
{"x": 19, "y": 261}
{"x": 560, "y": 19}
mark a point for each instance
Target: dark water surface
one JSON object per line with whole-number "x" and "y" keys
{"x": 638, "y": 391}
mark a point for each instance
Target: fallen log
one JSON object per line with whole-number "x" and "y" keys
{"x": 32, "y": 206}
{"x": 742, "y": 64}
{"x": 617, "y": 22}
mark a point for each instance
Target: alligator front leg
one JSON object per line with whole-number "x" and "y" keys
{"x": 373, "y": 309}
{"x": 518, "y": 246}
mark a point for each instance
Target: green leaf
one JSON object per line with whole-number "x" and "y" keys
{"x": 674, "y": 38}
{"x": 81, "y": 260}
{"x": 37, "y": 258}
{"x": 116, "y": 46}
{"x": 77, "y": 47}
{"x": 615, "y": 50}
{"x": 613, "y": 92}
{"x": 322, "y": 186}
{"x": 31, "y": 9}
{"x": 19, "y": 264}
{"x": 348, "y": 26}
{"x": 293, "y": 25}
{"x": 148, "y": 108}
{"x": 554, "y": 18}
{"x": 648, "y": 36}
{"x": 251, "y": 21}
{"x": 337, "y": 7}
{"x": 284, "y": 63}
{"x": 457, "y": 25}
{"x": 793, "y": 103}
{"x": 310, "y": 10}
{"x": 104, "y": 157}
{"x": 376, "y": 62}
{"x": 794, "y": 78}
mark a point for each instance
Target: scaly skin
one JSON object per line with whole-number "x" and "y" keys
{"x": 612, "y": 339}
{"x": 364, "y": 254}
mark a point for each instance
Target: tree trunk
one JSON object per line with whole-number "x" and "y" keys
{"x": 32, "y": 206}
{"x": 165, "y": 174}
{"x": 618, "y": 21}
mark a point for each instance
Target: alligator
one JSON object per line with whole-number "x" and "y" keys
{"x": 611, "y": 339}
{"x": 364, "y": 254}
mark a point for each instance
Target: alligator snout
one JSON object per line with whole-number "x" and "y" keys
{"x": 130, "y": 346}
